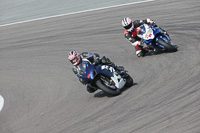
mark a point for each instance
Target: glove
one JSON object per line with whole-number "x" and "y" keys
{"x": 150, "y": 22}
{"x": 74, "y": 70}
{"x": 81, "y": 80}
{"x": 154, "y": 24}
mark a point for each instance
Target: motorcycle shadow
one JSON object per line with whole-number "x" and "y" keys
{"x": 101, "y": 94}
{"x": 151, "y": 52}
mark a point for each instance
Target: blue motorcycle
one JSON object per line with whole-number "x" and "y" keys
{"x": 103, "y": 77}
{"x": 155, "y": 37}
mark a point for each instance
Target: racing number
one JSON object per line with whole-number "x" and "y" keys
{"x": 111, "y": 69}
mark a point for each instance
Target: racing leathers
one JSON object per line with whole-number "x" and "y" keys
{"x": 140, "y": 49}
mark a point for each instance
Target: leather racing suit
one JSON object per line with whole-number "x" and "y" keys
{"x": 94, "y": 58}
{"x": 135, "y": 40}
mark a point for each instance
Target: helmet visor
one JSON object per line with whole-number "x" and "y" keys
{"x": 128, "y": 26}
{"x": 75, "y": 61}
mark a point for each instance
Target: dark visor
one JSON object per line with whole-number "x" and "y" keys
{"x": 128, "y": 26}
{"x": 75, "y": 60}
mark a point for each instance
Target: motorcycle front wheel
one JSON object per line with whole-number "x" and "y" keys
{"x": 168, "y": 47}
{"x": 129, "y": 81}
{"x": 107, "y": 89}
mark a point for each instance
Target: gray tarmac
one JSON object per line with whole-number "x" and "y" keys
{"x": 42, "y": 95}
{"x": 14, "y": 11}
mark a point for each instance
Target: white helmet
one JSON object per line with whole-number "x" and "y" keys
{"x": 127, "y": 24}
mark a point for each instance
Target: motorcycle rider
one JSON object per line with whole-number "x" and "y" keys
{"x": 93, "y": 58}
{"x": 131, "y": 31}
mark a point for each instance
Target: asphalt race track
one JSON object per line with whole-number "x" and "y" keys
{"x": 42, "y": 95}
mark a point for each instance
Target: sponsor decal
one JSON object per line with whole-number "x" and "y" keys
{"x": 88, "y": 76}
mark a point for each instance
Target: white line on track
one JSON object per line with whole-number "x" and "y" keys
{"x": 1, "y": 102}
{"x": 74, "y": 13}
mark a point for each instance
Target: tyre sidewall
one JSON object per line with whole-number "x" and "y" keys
{"x": 168, "y": 47}
{"x": 106, "y": 89}
{"x": 129, "y": 81}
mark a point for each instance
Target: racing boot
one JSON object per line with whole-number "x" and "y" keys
{"x": 116, "y": 67}
{"x": 104, "y": 61}
{"x": 107, "y": 61}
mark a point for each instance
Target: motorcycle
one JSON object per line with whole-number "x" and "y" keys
{"x": 104, "y": 77}
{"x": 155, "y": 37}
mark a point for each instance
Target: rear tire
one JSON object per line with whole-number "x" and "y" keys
{"x": 168, "y": 47}
{"x": 129, "y": 81}
{"x": 106, "y": 89}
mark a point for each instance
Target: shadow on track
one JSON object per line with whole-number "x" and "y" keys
{"x": 103, "y": 94}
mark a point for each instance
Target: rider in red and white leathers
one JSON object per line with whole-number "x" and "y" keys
{"x": 131, "y": 31}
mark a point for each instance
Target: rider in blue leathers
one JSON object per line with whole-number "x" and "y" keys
{"x": 94, "y": 58}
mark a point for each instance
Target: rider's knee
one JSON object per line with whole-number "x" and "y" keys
{"x": 139, "y": 53}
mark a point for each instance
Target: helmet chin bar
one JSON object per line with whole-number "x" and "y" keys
{"x": 76, "y": 62}
{"x": 131, "y": 29}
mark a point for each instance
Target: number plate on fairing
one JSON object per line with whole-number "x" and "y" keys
{"x": 147, "y": 33}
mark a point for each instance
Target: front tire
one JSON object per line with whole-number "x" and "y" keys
{"x": 168, "y": 47}
{"x": 106, "y": 89}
